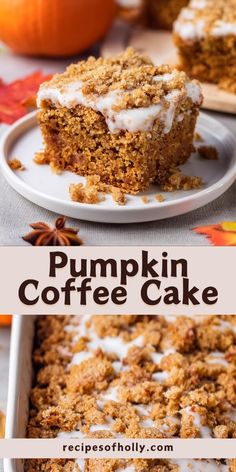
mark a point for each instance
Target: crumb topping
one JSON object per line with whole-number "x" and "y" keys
{"x": 206, "y": 17}
{"x": 134, "y": 376}
{"x": 16, "y": 164}
{"x": 178, "y": 181}
{"x": 94, "y": 191}
{"x": 129, "y": 90}
{"x": 208, "y": 152}
{"x": 135, "y": 74}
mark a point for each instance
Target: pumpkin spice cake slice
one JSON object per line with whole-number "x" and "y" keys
{"x": 123, "y": 119}
{"x": 205, "y": 34}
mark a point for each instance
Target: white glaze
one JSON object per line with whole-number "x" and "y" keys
{"x": 81, "y": 357}
{"x": 129, "y": 468}
{"x": 221, "y": 28}
{"x": 192, "y": 29}
{"x": 194, "y": 92}
{"x": 111, "y": 395}
{"x": 116, "y": 345}
{"x": 198, "y": 4}
{"x": 217, "y": 357}
{"x": 189, "y": 31}
{"x": 132, "y": 120}
{"x": 81, "y": 464}
{"x": 129, "y": 3}
{"x": 160, "y": 376}
{"x": 205, "y": 431}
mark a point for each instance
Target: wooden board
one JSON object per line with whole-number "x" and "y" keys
{"x": 159, "y": 46}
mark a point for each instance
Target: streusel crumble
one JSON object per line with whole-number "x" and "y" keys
{"x": 123, "y": 119}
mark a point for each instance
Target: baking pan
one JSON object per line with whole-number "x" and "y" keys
{"x": 20, "y": 380}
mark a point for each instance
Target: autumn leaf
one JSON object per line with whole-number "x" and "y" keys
{"x": 2, "y": 424}
{"x": 222, "y": 234}
{"x": 17, "y": 97}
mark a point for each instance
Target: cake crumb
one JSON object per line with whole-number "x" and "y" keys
{"x": 198, "y": 137}
{"x": 117, "y": 195}
{"x": 179, "y": 181}
{"x": 84, "y": 194}
{"x": 145, "y": 199}
{"x": 208, "y": 152}
{"x": 40, "y": 158}
{"x": 159, "y": 197}
{"x": 55, "y": 168}
{"x": 94, "y": 191}
{"x": 16, "y": 164}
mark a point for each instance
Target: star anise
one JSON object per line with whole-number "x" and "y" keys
{"x": 60, "y": 235}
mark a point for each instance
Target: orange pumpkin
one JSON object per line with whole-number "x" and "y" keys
{"x": 5, "y": 320}
{"x": 54, "y": 27}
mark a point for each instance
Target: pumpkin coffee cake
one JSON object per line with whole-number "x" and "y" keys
{"x": 205, "y": 34}
{"x": 122, "y": 119}
{"x": 134, "y": 377}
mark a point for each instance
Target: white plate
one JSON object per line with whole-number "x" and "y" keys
{"x": 39, "y": 185}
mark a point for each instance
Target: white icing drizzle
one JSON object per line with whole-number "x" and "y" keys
{"x": 129, "y": 3}
{"x": 147, "y": 423}
{"x": 77, "y": 434}
{"x": 198, "y": 4}
{"x": 164, "y": 77}
{"x": 132, "y": 120}
{"x": 205, "y": 431}
{"x": 128, "y": 468}
{"x": 160, "y": 376}
{"x": 217, "y": 357}
{"x": 81, "y": 357}
{"x": 117, "y": 345}
{"x": 100, "y": 427}
{"x": 142, "y": 409}
{"x": 191, "y": 28}
{"x": 222, "y": 325}
{"x": 81, "y": 464}
{"x": 193, "y": 92}
{"x": 111, "y": 395}
{"x": 221, "y": 28}
{"x": 158, "y": 356}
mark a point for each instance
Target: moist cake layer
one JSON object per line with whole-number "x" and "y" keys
{"x": 205, "y": 33}
{"x": 135, "y": 376}
{"x": 123, "y": 119}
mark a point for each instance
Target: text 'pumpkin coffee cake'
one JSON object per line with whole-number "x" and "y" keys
{"x": 123, "y": 119}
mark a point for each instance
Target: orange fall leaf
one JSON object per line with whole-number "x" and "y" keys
{"x": 222, "y": 234}
{"x": 18, "y": 96}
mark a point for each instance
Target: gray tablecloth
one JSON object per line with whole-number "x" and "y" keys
{"x": 16, "y": 213}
